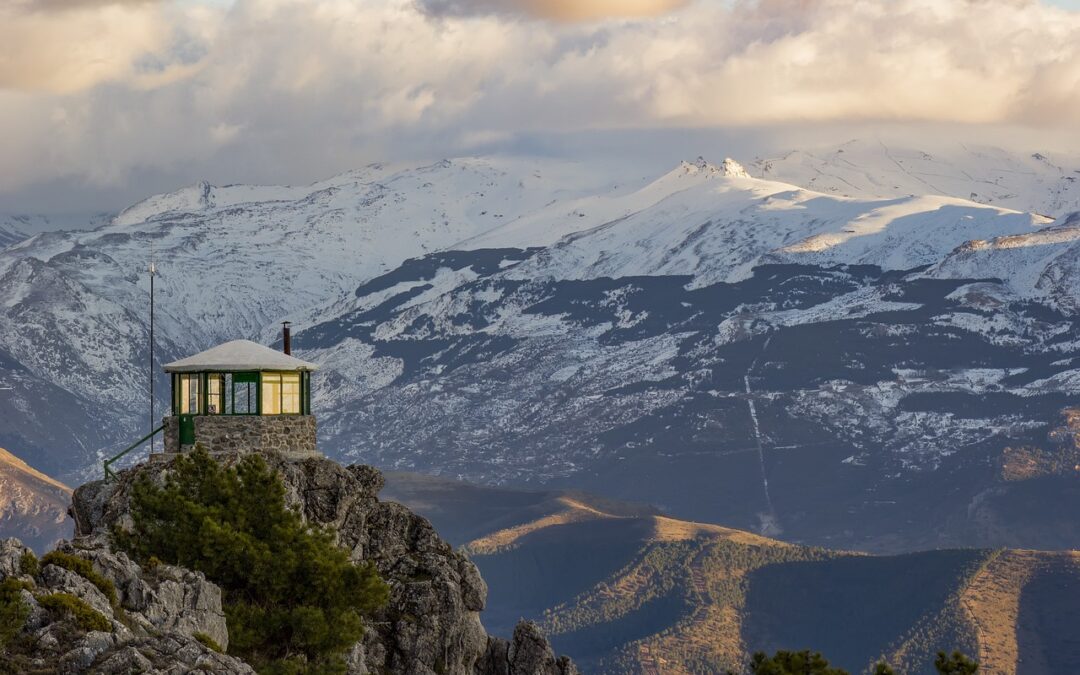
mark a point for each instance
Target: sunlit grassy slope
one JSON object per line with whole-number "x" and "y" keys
{"x": 625, "y": 590}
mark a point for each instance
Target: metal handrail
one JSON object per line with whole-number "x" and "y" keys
{"x": 108, "y": 472}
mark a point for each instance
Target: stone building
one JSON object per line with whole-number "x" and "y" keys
{"x": 241, "y": 396}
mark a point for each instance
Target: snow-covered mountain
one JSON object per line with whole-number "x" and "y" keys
{"x": 1042, "y": 182}
{"x": 23, "y": 226}
{"x": 9, "y": 235}
{"x": 231, "y": 261}
{"x": 700, "y": 333}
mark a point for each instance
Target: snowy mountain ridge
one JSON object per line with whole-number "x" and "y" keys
{"x": 9, "y": 235}
{"x": 520, "y": 321}
{"x": 1041, "y": 182}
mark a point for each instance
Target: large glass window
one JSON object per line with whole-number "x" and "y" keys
{"x": 271, "y": 394}
{"x": 245, "y": 395}
{"x": 215, "y": 394}
{"x": 281, "y": 393}
{"x": 189, "y": 394}
{"x": 290, "y": 393}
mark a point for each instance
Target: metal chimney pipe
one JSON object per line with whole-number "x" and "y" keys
{"x": 286, "y": 338}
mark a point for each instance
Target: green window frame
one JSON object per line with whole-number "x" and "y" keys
{"x": 251, "y": 391}
{"x": 282, "y": 393}
{"x": 189, "y": 394}
{"x": 215, "y": 394}
{"x": 259, "y": 393}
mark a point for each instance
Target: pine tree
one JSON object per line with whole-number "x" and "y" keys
{"x": 956, "y": 664}
{"x": 293, "y": 600}
{"x": 791, "y": 663}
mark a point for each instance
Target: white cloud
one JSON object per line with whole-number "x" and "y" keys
{"x": 64, "y": 46}
{"x": 559, "y": 10}
{"x": 101, "y": 91}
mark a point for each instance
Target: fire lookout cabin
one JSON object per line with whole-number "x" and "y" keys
{"x": 241, "y": 396}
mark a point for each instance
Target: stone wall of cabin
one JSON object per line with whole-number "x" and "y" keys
{"x": 292, "y": 435}
{"x": 171, "y": 434}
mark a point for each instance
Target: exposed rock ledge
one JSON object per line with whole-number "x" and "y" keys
{"x": 431, "y": 625}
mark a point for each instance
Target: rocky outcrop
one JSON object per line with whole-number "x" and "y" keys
{"x": 431, "y": 624}
{"x": 528, "y": 653}
{"x": 152, "y": 625}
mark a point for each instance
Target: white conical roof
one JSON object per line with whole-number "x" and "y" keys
{"x": 238, "y": 355}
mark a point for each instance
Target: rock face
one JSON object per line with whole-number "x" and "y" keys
{"x": 431, "y": 624}
{"x": 152, "y": 623}
{"x": 527, "y": 654}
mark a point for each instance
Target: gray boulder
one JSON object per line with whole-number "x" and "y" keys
{"x": 528, "y": 653}
{"x": 152, "y": 625}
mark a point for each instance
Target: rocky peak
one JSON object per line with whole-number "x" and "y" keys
{"x": 728, "y": 168}
{"x": 430, "y": 625}
{"x": 733, "y": 169}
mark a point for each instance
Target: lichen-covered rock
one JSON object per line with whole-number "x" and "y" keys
{"x": 165, "y": 599}
{"x": 431, "y": 624}
{"x": 151, "y": 626}
{"x": 11, "y": 555}
{"x": 172, "y": 654}
{"x": 54, "y": 579}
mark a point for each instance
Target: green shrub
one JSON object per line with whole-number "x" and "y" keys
{"x": 13, "y": 611}
{"x": 792, "y": 663}
{"x": 956, "y": 664}
{"x": 85, "y": 569}
{"x": 208, "y": 642}
{"x": 28, "y": 564}
{"x": 69, "y": 607}
{"x": 813, "y": 663}
{"x": 291, "y": 596}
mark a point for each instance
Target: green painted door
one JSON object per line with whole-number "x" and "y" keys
{"x": 187, "y": 430}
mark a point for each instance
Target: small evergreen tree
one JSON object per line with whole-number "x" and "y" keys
{"x": 813, "y": 663}
{"x": 293, "y": 599}
{"x": 956, "y": 664}
{"x": 13, "y": 612}
{"x": 792, "y": 663}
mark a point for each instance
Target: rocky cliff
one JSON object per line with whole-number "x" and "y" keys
{"x": 167, "y": 619}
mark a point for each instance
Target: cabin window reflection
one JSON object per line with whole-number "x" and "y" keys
{"x": 189, "y": 394}
{"x": 215, "y": 394}
{"x": 271, "y": 394}
{"x": 290, "y": 393}
{"x": 281, "y": 393}
{"x": 245, "y": 394}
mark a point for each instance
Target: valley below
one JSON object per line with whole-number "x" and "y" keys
{"x": 624, "y": 589}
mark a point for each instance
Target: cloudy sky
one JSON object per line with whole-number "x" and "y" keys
{"x": 105, "y": 101}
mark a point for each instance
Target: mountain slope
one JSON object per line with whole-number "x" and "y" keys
{"x": 631, "y": 592}
{"x": 1043, "y": 264}
{"x": 527, "y": 323}
{"x": 717, "y": 224}
{"x": 882, "y": 387}
{"x": 232, "y": 261}
{"x": 9, "y": 235}
{"x": 1042, "y": 182}
{"x": 33, "y": 505}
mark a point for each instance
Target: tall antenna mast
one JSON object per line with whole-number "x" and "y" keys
{"x": 153, "y": 273}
